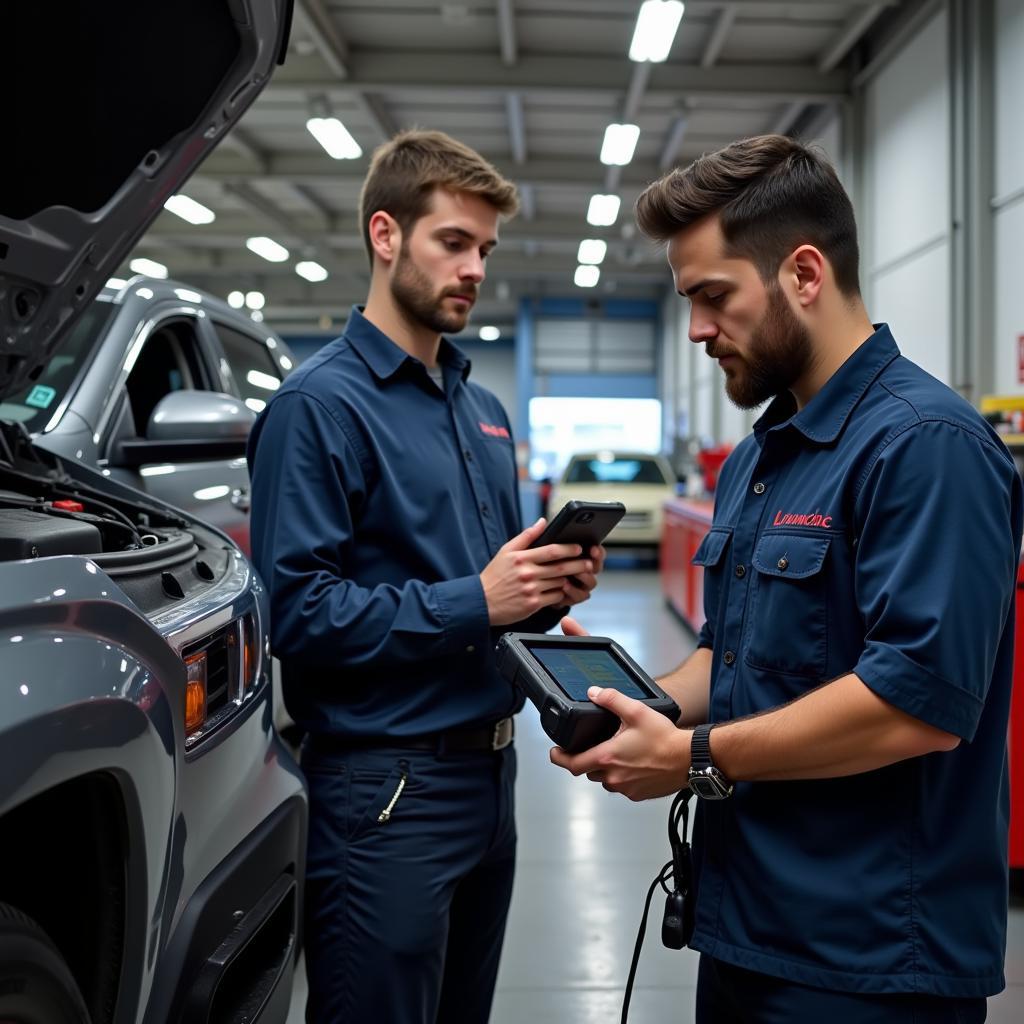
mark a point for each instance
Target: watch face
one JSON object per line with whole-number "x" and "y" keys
{"x": 708, "y": 785}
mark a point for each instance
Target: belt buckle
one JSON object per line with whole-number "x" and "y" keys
{"x": 502, "y": 735}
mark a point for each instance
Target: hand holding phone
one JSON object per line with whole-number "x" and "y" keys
{"x": 586, "y": 523}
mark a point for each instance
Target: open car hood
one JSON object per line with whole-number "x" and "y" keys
{"x": 108, "y": 110}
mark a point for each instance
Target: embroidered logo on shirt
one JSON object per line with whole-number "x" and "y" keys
{"x": 493, "y": 431}
{"x": 795, "y": 519}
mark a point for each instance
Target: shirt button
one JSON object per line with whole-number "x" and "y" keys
{"x": 485, "y": 509}
{"x": 469, "y": 455}
{"x": 741, "y": 571}
{"x": 728, "y": 657}
{"x": 783, "y": 564}
{"x": 470, "y": 649}
{"x": 759, "y": 488}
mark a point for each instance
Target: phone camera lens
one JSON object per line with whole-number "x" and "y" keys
{"x": 584, "y": 517}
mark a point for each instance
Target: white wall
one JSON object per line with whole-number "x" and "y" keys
{"x": 905, "y": 275}
{"x": 495, "y": 369}
{"x": 1009, "y": 193}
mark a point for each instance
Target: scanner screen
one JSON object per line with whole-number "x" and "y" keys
{"x": 577, "y": 669}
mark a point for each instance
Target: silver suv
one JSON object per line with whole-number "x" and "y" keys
{"x": 152, "y": 825}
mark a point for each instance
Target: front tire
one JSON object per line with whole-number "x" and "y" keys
{"x": 36, "y": 986}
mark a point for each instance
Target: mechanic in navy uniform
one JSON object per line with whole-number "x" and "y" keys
{"x": 386, "y": 525}
{"x": 845, "y": 714}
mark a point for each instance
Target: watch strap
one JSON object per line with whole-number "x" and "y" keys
{"x": 700, "y": 747}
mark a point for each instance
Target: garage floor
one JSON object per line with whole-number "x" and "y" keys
{"x": 586, "y": 858}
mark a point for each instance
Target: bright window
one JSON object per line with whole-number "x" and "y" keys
{"x": 560, "y": 427}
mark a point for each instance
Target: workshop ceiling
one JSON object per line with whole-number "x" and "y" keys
{"x": 531, "y": 84}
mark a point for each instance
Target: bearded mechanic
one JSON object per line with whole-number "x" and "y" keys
{"x": 844, "y": 717}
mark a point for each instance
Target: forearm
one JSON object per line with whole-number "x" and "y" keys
{"x": 841, "y": 728}
{"x": 689, "y": 686}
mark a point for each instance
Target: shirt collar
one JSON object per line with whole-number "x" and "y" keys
{"x": 824, "y": 416}
{"x": 384, "y": 358}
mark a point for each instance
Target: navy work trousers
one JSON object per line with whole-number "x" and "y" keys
{"x": 731, "y": 995}
{"x": 408, "y": 881}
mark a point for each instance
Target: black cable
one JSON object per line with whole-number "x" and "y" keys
{"x": 678, "y": 923}
{"x": 663, "y": 875}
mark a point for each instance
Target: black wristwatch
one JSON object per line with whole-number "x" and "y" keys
{"x": 705, "y": 779}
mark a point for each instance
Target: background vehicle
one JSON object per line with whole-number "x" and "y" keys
{"x": 148, "y": 367}
{"x": 642, "y": 482}
{"x": 152, "y": 825}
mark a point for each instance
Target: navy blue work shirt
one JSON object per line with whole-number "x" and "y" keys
{"x": 377, "y": 502}
{"x": 875, "y": 531}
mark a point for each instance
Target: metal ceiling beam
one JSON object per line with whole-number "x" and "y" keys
{"x": 516, "y": 126}
{"x": 242, "y": 143}
{"x": 676, "y": 134}
{"x": 376, "y": 112}
{"x": 473, "y": 74}
{"x": 789, "y": 117}
{"x": 315, "y": 19}
{"x": 340, "y": 231}
{"x": 849, "y": 37}
{"x": 507, "y": 31}
{"x": 713, "y": 50}
{"x": 240, "y": 263}
{"x": 568, "y": 172}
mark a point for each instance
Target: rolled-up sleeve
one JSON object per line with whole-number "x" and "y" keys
{"x": 935, "y": 570}
{"x": 306, "y": 479}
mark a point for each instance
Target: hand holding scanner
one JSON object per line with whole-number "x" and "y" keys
{"x": 555, "y": 672}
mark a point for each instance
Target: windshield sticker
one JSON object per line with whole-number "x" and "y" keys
{"x": 41, "y": 396}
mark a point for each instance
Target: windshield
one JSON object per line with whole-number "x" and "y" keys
{"x": 36, "y": 403}
{"x": 618, "y": 471}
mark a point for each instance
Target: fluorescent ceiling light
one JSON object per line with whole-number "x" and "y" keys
{"x": 592, "y": 250}
{"x": 311, "y": 271}
{"x": 187, "y": 295}
{"x": 489, "y": 333}
{"x": 286, "y": 363}
{"x": 587, "y": 276}
{"x": 267, "y": 248}
{"x": 655, "y": 29}
{"x": 236, "y": 300}
{"x": 255, "y": 300}
{"x": 190, "y": 210}
{"x": 603, "y": 210}
{"x": 148, "y": 267}
{"x": 619, "y": 143}
{"x": 116, "y": 282}
{"x": 334, "y": 137}
{"x": 256, "y": 404}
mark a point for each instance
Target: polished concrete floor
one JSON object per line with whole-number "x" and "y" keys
{"x": 586, "y": 859}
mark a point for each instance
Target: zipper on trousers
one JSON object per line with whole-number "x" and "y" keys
{"x": 385, "y": 815}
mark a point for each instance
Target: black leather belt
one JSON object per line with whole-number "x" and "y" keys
{"x": 452, "y": 741}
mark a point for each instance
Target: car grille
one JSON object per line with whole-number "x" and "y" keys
{"x": 636, "y": 519}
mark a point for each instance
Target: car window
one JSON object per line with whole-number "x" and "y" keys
{"x": 36, "y": 403}
{"x": 253, "y": 368}
{"x": 169, "y": 361}
{"x": 619, "y": 471}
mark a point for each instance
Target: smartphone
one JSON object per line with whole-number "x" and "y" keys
{"x": 581, "y": 522}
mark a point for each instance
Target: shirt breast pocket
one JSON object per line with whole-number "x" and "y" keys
{"x": 789, "y": 613}
{"x": 711, "y": 557}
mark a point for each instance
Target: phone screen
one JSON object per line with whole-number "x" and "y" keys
{"x": 576, "y": 669}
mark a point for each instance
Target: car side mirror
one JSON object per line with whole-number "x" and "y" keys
{"x": 189, "y": 426}
{"x": 199, "y": 415}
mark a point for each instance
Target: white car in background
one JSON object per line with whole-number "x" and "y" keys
{"x": 641, "y": 481}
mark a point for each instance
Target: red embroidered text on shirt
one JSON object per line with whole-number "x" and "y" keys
{"x": 794, "y": 519}
{"x": 494, "y": 431}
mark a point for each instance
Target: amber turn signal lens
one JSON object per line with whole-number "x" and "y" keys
{"x": 195, "y": 691}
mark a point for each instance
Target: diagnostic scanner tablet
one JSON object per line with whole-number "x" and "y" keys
{"x": 555, "y": 672}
